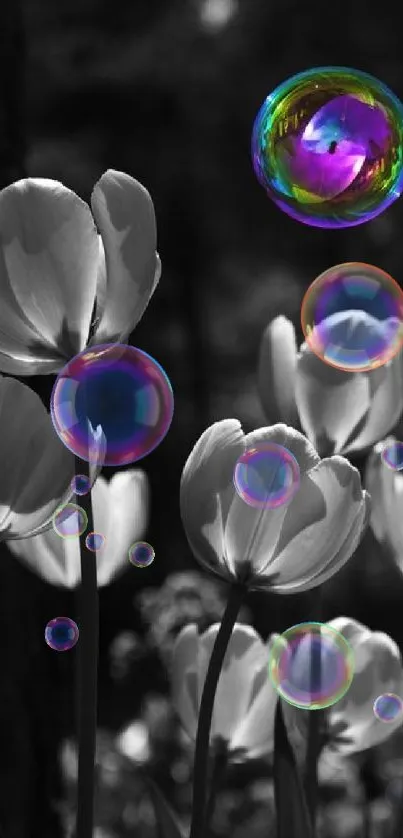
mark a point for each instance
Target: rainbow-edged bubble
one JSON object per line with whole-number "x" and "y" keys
{"x": 94, "y": 541}
{"x": 267, "y": 476}
{"x": 311, "y": 665}
{"x": 119, "y": 388}
{"x": 327, "y": 146}
{"x": 352, "y": 317}
{"x": 141, "y": 554}
{"x": 61, "y": 634}
{"x": 80, "y": 484}
{"x": 388, "y": 707}
{"x": 392, "y": 455}
{"x": 70, "y": 521}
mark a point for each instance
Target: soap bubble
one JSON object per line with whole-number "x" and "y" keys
{"x": 70, "y": 520}
{"x": 352, "y": 317}
{"x": 141, "y": 554}
{"x": 61, "y": 634}
{"x": 267, "y": 476}
{"x": 388, "y": 707}
{"x": 120, "y": 389}
{"x": 311, "y": 665}
{"x": 94, "y": 541}
{"x": 327, "y": 146}
{"x": 392, "y": 455}
{"x": 80, "y": 484}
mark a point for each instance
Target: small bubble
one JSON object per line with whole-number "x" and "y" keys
{"x": 61, "y": 634}
{"x": 141, "y": 554}
{"x": 392, "y": 455}
{"x": 70, "y": 520}
{"x": 81, "y": 484}
{"x": 388, "y": 707}
{"x": 94, "y": 541}
{"x": 267, "y": 476}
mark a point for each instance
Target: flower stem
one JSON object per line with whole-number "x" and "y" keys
{"x": 220, "y": 762}
{"x": 87, "y": 649}
{"x": 235, "y": 600}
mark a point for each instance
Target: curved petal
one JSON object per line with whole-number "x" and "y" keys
{"x": 54, "y": 559}
{"x": 344, "y": 553}
{"x": 48, "y": 272}
{"x": 335, "y": 491}
{"x": 386, "y": 487}
{"x": 184, "y": 680}
{"x": 207, "y": 490}
{"x": 251, "y": 534}
{"x": 120, "y": 514}
{"x": 386, "y": 404}
{"x": 125, "y": 216}
{"x": 378, "y": 670}
{"x": 331, "y": 402}
{"x": 37, "y": 468}
{"x": 276, "y": 371}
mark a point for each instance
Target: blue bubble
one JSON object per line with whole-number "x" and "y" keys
{"x": 61, "y": 634}
{"x": 392, "y": 455}
{"x": 94, "y": 541}
{"x": 141, "y": 554}
{"x": 388, "y": 707}
{"x": 81, "y": 484}
{"x": 120, "y": 389}
{"x": 70, "y": 520}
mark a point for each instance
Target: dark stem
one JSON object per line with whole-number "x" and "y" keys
{"x": 366, "y": 819}
{"x": 220, "y": 761}
{"x": 87, "y": 649}
{"x": 235, "y": 600}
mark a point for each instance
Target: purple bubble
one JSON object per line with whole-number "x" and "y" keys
{"x": 267, "y": 476}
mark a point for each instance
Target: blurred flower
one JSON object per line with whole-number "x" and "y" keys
{"x": 386, "y": 487}
{"x": 55, "y": 268}
{"x": 245, "y": 700}
{"x": 183, "y": 598}
{"x": 351, "y": 723}
{"x": 288, "y": 549}
{"x": 125, "y": 650}
{"x": 339, "y": 411}
{"x": 36, "y": 468}
{"x": 120, "y": 514}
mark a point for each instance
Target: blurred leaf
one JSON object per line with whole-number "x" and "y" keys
{"x": 167, "y": 820}
{"x": 293, "y": 819}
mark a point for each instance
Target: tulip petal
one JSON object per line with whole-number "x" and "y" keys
{"x": 331, "y": 402}
{"x": 316, "y": 544}
{"x": 386, "y": 488}
{"x": 378, "y": 670}
{"x": 251, "y": 534}
{"x": 120, "y": 514}
{"x": 184, "y": 681}
{"x": 385, "y": 404}
{"x": 207, "y": 490}
{"x": 125, "y": 216}
{"x": 236, "y": 690}
{"x": 48, "y": 272}
{"x": 36, "y": 467}
{"x": 54, "y": 559}
{"x": 345, "y": 551}
{"x": 276, "y": 371}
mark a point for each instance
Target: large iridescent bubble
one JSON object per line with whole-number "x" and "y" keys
{"x": 119, "y": 388}
{"x": 327, "y": 146}
{"x": 311, "y": 665}
{"x": 352, "y": 317}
